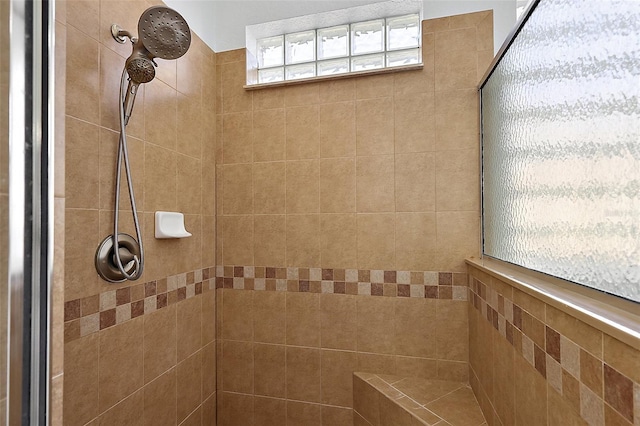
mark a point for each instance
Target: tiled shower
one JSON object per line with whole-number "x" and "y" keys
{"x": 331, "y": 222}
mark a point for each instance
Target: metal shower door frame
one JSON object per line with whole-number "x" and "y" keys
{"x": 30, "y": 210}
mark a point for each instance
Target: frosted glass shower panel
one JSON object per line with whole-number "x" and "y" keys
{"x": 561, "y": 146}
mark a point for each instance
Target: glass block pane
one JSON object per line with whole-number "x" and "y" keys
{"x": 367, "y": 37}
{"x": 300, "y": 47}
{"x": 333, "y": 42}
{"x": 369, "y": 62}
{"x": 561, "y": 132}
{"x": 271, "y": 75}
{"x": 403, "y": 57}
{"x": 295, "y": 72}
{"x": 271, "y": 52}
{"x": 334, "y": 66}
{"x": 403, "y": 32}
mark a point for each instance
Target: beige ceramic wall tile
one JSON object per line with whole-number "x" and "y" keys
{"x": 374, "y": 86}
{"x": 415, "y": 180}
{"x": 375, "y": 184}
{"x": 584, "y": 335}
{"x": 269, "y": 187}
{"x": 83, "y": 76}
{"x": 236, "y": 409}
{"x": 189, "y": 125}
{"x": 121, "y": 362}
{"x": 84, "y": 16}
{"x": 416, "y": 246}
{"x": 376, "y": 319}
{"x": 376, "y": 240}
{"x": 208, "y": 240}
{"x": 188, "y": 327}
{"x": 237, "y": 136}
{"x": 337, "y": 369}
{"x": 622, "y": 357}
{"x": 302, "y": 182}
{"x": 237, "y": 366}
{"x": 338, "y": 129}
{"x": 304, "y": 94}
{"x": 457, "y": 180}
{"x": 159, "y": 342}
{"x": 270, "y": 411}
{"x": 81, "y": 152}
{"x": 237, "y": 188}
{"x": 159, "y": 254}
{"x": 129, "y": 411}
{"x": 455, "y": 238}
{"x": 237, "y": 234}
{"x": 374, "y": 126}
{"x": 270, "y": 370}
{"x": 269, "y": 320}
{"x": 189, "y": 69}
{"x": 337, "y": 90}
{"x": 303, "y": 240}
{"x": 237, "y": 315}
{"x": 503, "y": 380}
{"x": 413, "y": 327}
{"x": 337, "y": 185}
{"x": 303, "y": 374}
{"x": 234, "y": 97}
{"x": 209, "y": 370}
{"x": 338, "y": 247}
{"x": 338, "y": 321}
{"x": 81, "y": 380}
{"x": 303, "y": 132}
{"x": 81, "y": 239}
{"x": 189, "y": 185}
{"x": 459, "y": 106}
{"x": 452, "y": 330}
{"x": 415, "y": 129}
{"x": 188, "y": 385}
{"x": 160, "y": 114}
{"x": 159, "y": 178}
{"x": 268, "y": 98}
{"x": 455, "y": 64}
{"x": 303, "y": 319}
{"x": 531, "y": 394}
{"x": 269, "y": 135}
{"x": 269, "y": 240}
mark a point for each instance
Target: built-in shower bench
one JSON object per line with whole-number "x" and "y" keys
{"x": 384, "y": 400}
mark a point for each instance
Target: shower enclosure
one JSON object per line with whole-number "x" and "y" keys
{"x": 26, "y": 37}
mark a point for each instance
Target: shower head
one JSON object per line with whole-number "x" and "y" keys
{"x": 162, "y": 33}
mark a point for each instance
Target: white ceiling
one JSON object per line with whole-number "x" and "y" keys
{"x": 221, "y": 23}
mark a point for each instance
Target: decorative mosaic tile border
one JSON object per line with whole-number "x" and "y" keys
{"x": 364, "y": 282}
{"x": 586, "y": 381}
{"x": 98, "y": 312}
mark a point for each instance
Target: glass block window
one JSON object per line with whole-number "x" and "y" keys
{"x": 360, "y": 46}
{"x": 561, "y": 146}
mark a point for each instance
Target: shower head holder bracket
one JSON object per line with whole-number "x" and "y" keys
{"x": 121, "y": 35}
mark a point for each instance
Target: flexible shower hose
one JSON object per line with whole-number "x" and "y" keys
{"x": 123, "y": 154}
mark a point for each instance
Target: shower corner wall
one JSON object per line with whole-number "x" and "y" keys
{"x": 343, "y": 227}
{"x": 140, "y": 351}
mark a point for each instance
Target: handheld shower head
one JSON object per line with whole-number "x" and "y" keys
{"x": 162, "y": 33}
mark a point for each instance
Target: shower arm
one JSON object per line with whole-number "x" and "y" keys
{"x": 121, "y": 35}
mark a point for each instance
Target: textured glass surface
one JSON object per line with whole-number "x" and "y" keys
{"x": 300, "y": 47}
{"x": 403, "y": 57}
{"x": 334, "y": 66}
{"x": 367, "y": 37}
{"x": 295, "y": 72}
{"x": 403, "y": 32}
{"x": 271, "y": 75}
{"x": 271, "y": 52}
{"x": 561, "y": 146}
{"x": 369, "y": 62}
{"x": 333, "y": 42}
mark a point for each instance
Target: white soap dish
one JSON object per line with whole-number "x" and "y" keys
{"x": 170, "y": 225}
